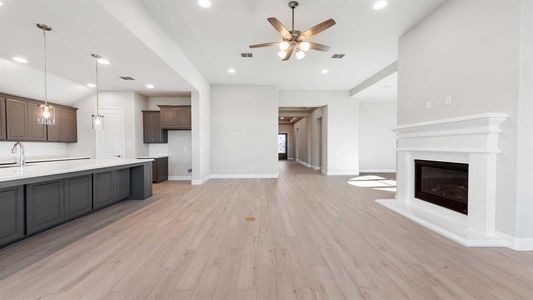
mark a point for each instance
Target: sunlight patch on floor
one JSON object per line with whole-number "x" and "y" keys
{"x": 375, "y": 182}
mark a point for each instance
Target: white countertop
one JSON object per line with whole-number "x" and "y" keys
{"x": 7, "y": 160}
{"x": 151, "y": 156}
{"x": 60, "y": 167}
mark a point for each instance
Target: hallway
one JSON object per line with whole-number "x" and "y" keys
{"x": 303, "y": 236}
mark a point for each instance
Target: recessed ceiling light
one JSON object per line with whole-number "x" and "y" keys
{"x": 20, "y": 59}
{"x": 150, "y": 86}
{"x": 91, "y": 85}
{"x": 324, "y": 71}
{"x": 232, "y": 70}
{"x": 204, "y": 3}
{"x": 380, "y": 4}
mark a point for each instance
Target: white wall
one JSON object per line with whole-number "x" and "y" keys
{"x": 377, "y": 141}
{"x": 131, "y": 104}
{"x": 179, "y": 145}
{"x": 302, "y": 134}
{"x": 244, "y": 131}
{"x": 317, "y": 138}
{"x": 340, "y": 120}
{"x": 470, "y": 50}
{"x": 34, "y": 150}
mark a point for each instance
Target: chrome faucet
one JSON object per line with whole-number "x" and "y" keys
{"x": 22, "y": 158}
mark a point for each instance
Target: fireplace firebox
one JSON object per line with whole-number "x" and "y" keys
{"x": 442, "y": 183}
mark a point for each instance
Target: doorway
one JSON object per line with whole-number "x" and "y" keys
{"x": 110, "y": 140}
{"x": 283, "y": 148}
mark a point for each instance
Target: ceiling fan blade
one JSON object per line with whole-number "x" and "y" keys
{"x": 280, "y": 28}
{"x": 289, "y": 53}
{"x": 264, "y": 45}
{"x": 316, "y": 29}
{"x": 318, "y": 47}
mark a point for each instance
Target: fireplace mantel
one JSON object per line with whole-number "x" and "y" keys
{"x": 471, "y": 140}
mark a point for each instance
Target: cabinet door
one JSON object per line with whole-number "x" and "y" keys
{"x": 16, "y": 120}
{"x": 121, "y": 184}
{"x": 102, "y": 189}
{"x": 36, "y": 132}
{"x": 11, "y": 214}
{"x": 78, "y": 196}
{"x": 3, "y": 132}
{"x": 70, "y": 126}
{"x": 55, "y": 132}
{"x": 169, "y": 118}
{"x": 148, "y": 130}
{"x": 184, "y": 118}
{"x": 45, "y": 205}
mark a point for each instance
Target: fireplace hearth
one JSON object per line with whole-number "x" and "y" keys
{"x": 442, "y": 183}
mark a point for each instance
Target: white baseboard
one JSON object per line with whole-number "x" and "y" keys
{"x": 518, "y": 244}
{"x": 315, "y": 167}
{"x": 377, "y": 171}
{"x": 179, "y": 178}
{"x": 242, "y": 176}
{"x": 200, "y": 181}
{"x": 303, "y": 163}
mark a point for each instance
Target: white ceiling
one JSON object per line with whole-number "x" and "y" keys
{"x": 214, "y": 38}
{"x": 80, "y": 27}
{"x": 383, "y": 90}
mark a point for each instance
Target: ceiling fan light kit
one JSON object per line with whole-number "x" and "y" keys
{"x": 295, "y": 40}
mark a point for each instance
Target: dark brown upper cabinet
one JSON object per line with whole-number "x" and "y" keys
{"x": 21, "y": 124}
{"x": 153, "y": 134}
{"x": 175, "y": 117}
{"x": 65, "y": 128}
{"x": 3, "y": 131}
{"x": 17, "y": 120}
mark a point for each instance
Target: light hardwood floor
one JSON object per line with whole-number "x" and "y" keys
{"x": 314, "y": 237}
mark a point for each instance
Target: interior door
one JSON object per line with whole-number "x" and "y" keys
{"x": 110, "y": 140}
{"x": 282, "y": 146}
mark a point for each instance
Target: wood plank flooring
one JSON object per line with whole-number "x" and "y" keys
{"x": 313, "y": 237}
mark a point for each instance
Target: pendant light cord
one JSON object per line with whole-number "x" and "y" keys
{"x": 45, "y": 72}
{"x": 97, "y": 89}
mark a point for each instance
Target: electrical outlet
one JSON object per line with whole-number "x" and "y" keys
{"x": 448, "y": 100}
{"x": 428, "y": 104}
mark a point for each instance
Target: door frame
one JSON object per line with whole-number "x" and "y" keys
{"x": 280, "y": 155}
{"x": 121, "y": 131}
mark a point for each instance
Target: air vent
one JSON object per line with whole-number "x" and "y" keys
{"x": 127, "y": 78}
{"x": 247, "y": 55}
{"x": 338, "y": 56}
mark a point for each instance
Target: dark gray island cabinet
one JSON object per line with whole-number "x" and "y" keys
{"x": 30, "y": 205}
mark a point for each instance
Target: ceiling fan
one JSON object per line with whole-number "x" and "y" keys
{"x": 295, "y": 40}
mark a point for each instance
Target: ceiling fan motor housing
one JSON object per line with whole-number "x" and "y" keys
{"x": 293, "y": 4}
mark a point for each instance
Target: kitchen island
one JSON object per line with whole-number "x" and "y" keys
{"x": 43, "y": 195}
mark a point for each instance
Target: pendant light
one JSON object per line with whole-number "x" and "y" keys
{"x": 98, "y": 119}
{"x": 47, "y": 114}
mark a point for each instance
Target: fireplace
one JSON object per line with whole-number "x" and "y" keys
{"x": 442, "y": 183}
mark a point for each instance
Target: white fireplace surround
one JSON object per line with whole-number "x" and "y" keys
{"x": 470, "y": 139}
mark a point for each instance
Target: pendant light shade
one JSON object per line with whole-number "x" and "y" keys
{"x": 97, "y": 118}
{"x": 47, "y": 115}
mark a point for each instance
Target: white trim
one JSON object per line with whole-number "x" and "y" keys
{"x": 444, "y": 149}
{"x": 315, "y": 167}
{"x": 454, "y": 120}
{"x": 342, "y": 173}
{"x": 179, "y": 178}
{"x": 377, "y": 171}
{"x": 304, "y": 163}
{"x": 518, "y": 243}
{"x": 239, "y": 176}
{"x": 200, "y": 181}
